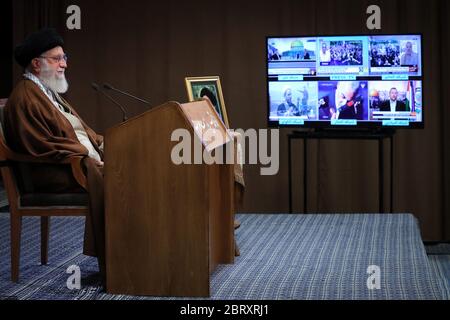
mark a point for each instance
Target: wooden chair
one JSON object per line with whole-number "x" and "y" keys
{"x": 23, "y": 202}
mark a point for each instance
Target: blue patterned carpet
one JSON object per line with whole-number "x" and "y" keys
{"x": 3, "y": 199}
{"x": 439, "y": 257}
{"x": 282, "y": 257}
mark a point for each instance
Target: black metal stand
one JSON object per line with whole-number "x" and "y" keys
{"x": 347, "y": 135}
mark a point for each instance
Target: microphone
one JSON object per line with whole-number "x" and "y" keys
{"x": 97, "y": 88}
{"x": 110, "y": 87}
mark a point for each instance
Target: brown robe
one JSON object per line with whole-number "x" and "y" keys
{"x": 35, "y": 127}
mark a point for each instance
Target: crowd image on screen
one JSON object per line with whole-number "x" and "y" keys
{"x": 384, "y": 53}
{"x": 344, "y": 53}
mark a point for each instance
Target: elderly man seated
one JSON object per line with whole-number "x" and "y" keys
{"x": 40, "y": 123}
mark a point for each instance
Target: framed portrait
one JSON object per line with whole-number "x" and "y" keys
{"x": 198, "y": 87}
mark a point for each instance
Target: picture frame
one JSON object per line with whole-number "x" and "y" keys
{"x": 198, "y": 87}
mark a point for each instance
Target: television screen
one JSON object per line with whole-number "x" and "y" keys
{"x": 345, "y": 81}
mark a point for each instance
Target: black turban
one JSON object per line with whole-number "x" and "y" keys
{"x": 36, "y": 44}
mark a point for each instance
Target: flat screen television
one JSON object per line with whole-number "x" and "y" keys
{"x": 360, "y": 81}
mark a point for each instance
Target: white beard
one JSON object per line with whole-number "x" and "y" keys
{"x": 52, "y": 80}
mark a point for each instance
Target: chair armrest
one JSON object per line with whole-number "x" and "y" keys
{"x": 74, "y": 162}
{"x": 7, "y": 156}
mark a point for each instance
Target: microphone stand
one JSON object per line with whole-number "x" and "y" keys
{"x": 97, "y": 88}
{"x": 110, "y": 87}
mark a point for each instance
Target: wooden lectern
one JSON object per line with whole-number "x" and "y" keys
{"x": 167, "y": 226}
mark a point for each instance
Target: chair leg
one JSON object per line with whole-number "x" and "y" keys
{"x": 45, "y": 223}
{"x": 16, "y": 231}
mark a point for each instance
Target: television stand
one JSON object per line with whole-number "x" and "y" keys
{"x": 339, "y": 134}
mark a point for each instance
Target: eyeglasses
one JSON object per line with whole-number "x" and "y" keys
{"x": 56, "y": 59}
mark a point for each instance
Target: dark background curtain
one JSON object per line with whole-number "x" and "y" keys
{"x": 6, "y": 52}
{"x": 148, "y": 48}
